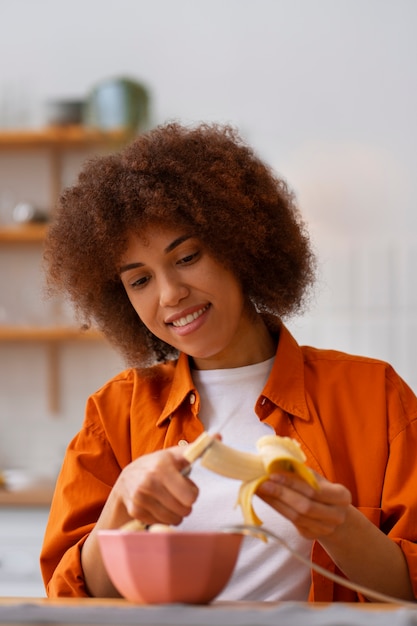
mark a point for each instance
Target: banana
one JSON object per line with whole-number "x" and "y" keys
{"x": 132, "y": 525}
{"x": 135, "y": 524}
{"x": 222, "y": 459}
{"x": 275, "y": 454}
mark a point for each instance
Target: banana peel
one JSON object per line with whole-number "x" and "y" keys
{"x": 275, "y": 455}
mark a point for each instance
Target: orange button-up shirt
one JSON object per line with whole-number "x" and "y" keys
{"x": 354, "y": 417}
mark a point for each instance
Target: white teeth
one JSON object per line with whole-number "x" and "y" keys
{"x": 183, "y": 321}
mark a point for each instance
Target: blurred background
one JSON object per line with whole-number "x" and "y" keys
{"x": 326, "y": 92}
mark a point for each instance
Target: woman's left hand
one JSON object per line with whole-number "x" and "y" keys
{"x": 359, "y": 548}
{"x": 315, "y": 513}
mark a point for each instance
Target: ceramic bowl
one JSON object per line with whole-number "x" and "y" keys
{"x": 169, "y": 567}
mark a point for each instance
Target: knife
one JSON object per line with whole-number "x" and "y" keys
{"x": 196, "y": 450}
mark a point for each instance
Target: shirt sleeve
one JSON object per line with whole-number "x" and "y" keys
{"x": 394, "y": 508}
{"x": 399, "y": 496}
{"x": 88, "y": 473}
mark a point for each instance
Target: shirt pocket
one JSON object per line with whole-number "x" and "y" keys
{"x": 373, "y": 514}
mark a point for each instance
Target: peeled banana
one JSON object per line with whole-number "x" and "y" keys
{"x": 275, "y": 454}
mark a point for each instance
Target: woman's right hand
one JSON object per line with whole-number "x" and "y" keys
{"x": 153, "y": 489}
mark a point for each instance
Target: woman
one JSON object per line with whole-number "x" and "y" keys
{"x": 188, "y": 253}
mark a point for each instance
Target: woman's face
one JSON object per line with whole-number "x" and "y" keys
{"x": 189, "y": 300}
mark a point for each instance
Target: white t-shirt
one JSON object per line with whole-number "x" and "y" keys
{"x": 264, "y": 571}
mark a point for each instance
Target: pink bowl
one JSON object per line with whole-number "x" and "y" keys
{"x": 169, "y": 567}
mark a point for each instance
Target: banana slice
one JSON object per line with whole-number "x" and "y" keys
{"x": 161, "y": 528}
{"x": 133, "y": 524}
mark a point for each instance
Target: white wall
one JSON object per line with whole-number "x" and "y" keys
{"x": 326, "y": 91}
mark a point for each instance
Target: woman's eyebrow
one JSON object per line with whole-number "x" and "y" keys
{"x": 129, "y": 266}
{"x": 176, "y": 243}
{"x": 169, "y": 248}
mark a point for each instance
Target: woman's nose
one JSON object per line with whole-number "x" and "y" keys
{"x": 172, "y": 291}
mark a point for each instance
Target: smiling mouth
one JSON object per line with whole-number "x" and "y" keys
{"x": 187, "y": 319}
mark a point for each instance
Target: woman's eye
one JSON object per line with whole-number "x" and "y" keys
{"x": 139, "y": 282}
{"x": 189, "y": 258}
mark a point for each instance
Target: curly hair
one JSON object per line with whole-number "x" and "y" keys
{"x": 203, "y": 179}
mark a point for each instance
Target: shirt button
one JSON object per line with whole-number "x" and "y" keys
{"x": 183, "y": 442}
{"x": 192, "y": 398}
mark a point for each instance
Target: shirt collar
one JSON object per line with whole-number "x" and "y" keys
{"x": 284, "y": 387}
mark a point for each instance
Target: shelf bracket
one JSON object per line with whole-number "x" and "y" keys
{"x": 53, "y": 378}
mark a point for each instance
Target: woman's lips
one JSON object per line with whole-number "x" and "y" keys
{"x": 190, "y": 317}
{"x": 190, "y": 321}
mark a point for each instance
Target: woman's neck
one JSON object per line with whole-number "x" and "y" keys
{"x": 255, "y": 344}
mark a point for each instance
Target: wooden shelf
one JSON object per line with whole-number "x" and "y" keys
{"x": 59, "y": 139}
{"x": 48, "y": 334}
{"x": 52, "y": 337}
{"x": 39, "y": 494}
{"x": 23, "y": 233}
{"x": 56, "y": 141}
{"x": 65, "y": 136}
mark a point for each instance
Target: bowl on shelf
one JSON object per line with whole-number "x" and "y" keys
{"x": 65, "y": 112}
{"x": 169, "y": 567}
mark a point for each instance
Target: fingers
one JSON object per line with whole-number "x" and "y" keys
{"x": 154, "y": 490}
{"x": 165, "y": 509}
{"x": 316, "y": 513}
